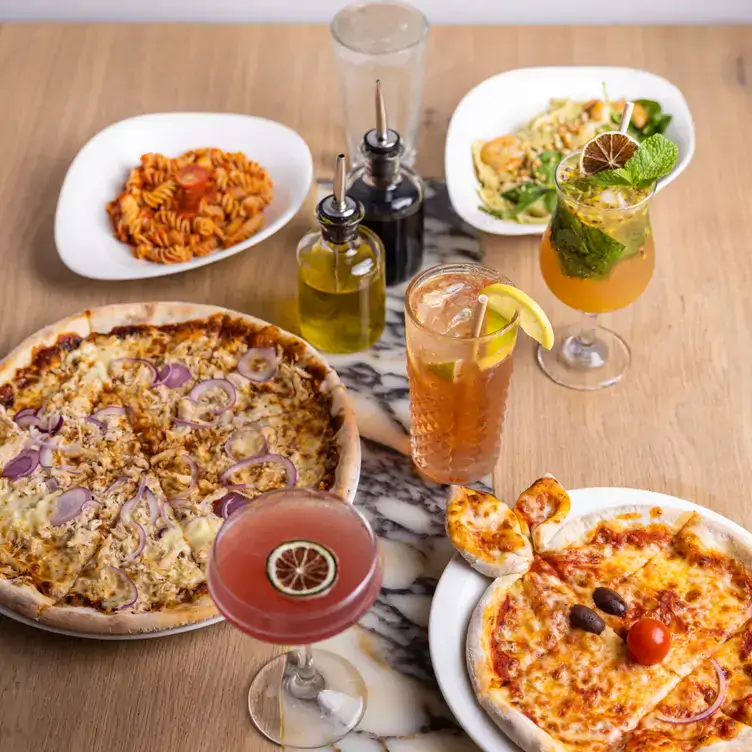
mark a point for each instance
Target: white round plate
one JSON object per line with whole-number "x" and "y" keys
{"x": 506, "y": 102}
{"x": 4, "y": 611}
{"x": 460, "y": 588}
{"x": 83, "y": 232}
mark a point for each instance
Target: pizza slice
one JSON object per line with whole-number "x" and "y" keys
{"x": 47, "y": 536}
{"x": 282, "y": 394}
{"x": 62, "y": 376}
{"x": 712, "y": 705}
{"x": 142, "y": 578}
{"x": 699, "y": 587}
{"x": 603, "y": 548}
{"x": 519, "y": 618}
{"x": 487, "y": 533}
{"x": 583, "y": 695}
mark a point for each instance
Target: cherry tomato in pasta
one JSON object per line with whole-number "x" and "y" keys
{"x": 193, "y": 177}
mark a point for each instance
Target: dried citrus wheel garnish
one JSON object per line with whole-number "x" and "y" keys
{"x": 607, "y": 151}
{"x": 301, "y": 568}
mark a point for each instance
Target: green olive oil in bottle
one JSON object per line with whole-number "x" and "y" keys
{"x": 341, "y": 283}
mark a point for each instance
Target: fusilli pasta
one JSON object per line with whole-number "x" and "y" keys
{"x": 175, "y": 209}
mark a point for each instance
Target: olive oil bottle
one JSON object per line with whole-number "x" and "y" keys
{"x": 341, "y": 285}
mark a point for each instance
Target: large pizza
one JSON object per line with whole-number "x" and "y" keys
{"x": 627, "y": 630}
{"x": 129, "y": 433}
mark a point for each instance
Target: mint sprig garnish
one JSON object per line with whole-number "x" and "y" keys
{"x": 583, "y": 251}
{"x": 654, "y": 159}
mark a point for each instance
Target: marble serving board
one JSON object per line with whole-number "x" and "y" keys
{"x": 406, "y": 712}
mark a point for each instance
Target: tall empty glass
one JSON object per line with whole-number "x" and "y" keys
{"x": 385, "y": 41}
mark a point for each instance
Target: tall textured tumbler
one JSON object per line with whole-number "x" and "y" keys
{"x": 385, "y": 41}
{"x": 458, "y": 382}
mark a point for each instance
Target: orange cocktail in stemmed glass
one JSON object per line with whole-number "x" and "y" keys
{"x": 294, "y": 567}
{"x": 597, "y": 256}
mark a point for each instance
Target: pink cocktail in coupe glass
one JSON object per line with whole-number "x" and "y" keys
{"x": 294, "y": 567}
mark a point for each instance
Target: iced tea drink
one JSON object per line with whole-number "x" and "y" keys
{"x": 458, "y": 383}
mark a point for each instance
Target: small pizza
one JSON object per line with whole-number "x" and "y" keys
{"x": 630, "y": 630}
{"x": 128, "y": 434}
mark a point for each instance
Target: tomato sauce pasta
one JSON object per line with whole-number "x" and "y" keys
{"x": 173, "y": 209}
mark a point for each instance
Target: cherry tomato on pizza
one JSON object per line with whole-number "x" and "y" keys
{"x": 648, "y": 641}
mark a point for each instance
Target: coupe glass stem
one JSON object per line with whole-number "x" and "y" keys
{"x": 306, "y": 682}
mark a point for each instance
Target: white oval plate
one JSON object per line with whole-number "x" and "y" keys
{"x": 4, "y": 611}
{"x": 83, "y": 232}
{"x": 460, "y": 588}
{"x": 506, "y": 102}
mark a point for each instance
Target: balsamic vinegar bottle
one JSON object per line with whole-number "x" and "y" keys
{"x": 392, "y": 196}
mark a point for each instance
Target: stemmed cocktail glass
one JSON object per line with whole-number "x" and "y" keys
{"x": 294, "y": 567}
{"x": 597, "y": 256}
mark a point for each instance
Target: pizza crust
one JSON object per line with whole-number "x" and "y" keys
{"x": 23, "y": 598}
{"x": 742, "y": 743}
{"x": 94, "y": 622}
{"x": 577, "y": 532}
{"x": 155, "y": 313}
{"x": 518, "y": 727}
{"x": 543, "y": 507}
{"x": 22, "y": 355}
{"x": 476, "y": 648}
{"x": 716, "y": 536}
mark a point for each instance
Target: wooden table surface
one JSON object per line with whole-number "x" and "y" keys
{"x": 680, "y": 423}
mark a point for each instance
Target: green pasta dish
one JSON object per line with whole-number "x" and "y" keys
{"x": 516, "y": 171}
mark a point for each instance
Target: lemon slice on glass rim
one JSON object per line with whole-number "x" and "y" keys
{"x": 506, "y": 301}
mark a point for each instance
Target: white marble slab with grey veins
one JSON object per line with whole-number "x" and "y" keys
{"x": 406, "y": 712}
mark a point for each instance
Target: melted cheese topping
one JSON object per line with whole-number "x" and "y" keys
{"x": 586, "y": 693}
{"x": 200, "y": 533}
{"x": 481, "y": 525}
{"x": 703, "y": 596}
{"x": 526, "y": 621}
{"x": 616, "y": 550}
{"x": 163, "y": 573}
{"x": 699, "y": 690}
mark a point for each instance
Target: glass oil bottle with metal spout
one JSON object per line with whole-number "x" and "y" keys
{"x": 341, "y": 288}
{"x": 392, "y": 196}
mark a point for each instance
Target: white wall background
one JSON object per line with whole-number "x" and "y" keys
{"x": 438, "y": 11}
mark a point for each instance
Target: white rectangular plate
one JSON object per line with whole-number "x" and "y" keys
{"x": 506, "y": 102}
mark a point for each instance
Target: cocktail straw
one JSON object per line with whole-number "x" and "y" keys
{"x": 479, "y": 314}
{"x": 626, "y": 116}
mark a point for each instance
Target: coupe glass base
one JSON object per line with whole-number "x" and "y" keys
{"x": 579, "y": 365}
{"x": 287, "y": 714}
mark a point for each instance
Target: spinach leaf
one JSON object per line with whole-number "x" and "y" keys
{"x": 657, "y": 121}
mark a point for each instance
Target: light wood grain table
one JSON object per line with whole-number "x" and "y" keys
{"x": 681, "y": 422}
